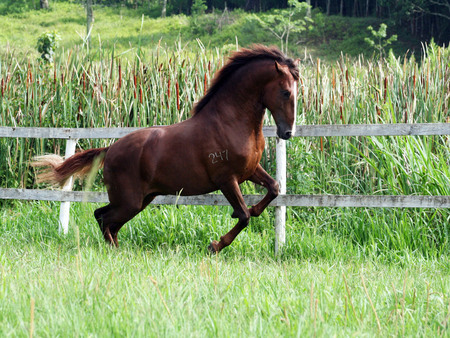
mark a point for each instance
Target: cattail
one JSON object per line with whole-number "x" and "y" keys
{"x": 120, "y": 77}
{"x": 168, "y": 90}
{"x": 28, "y": 75}
{"x": 135, "y": 82}
{"x": 385, "y": 89}
{"x": 204, "y": 85}
{"x": 140, "y": 94}
{"x": 178, "y": 95}
{"x": 3, "y": 87}
{"x": 333, "y": 79}
{"x": 303, "y": 89}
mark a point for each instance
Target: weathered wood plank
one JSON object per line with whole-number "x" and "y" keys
{"x": 366, "y": 201}
{"x": 398, "y": 129}
{"x": 65, "y": 133}
{"x": 269, "y": 131}
{"x": 82, "y": 133}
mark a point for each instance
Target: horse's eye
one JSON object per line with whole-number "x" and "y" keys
{"x": 286, "y": 94}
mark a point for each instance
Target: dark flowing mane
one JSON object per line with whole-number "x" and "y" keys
{"x": 239, "y": 59}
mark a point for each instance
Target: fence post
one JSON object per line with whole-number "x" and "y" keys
{"x": 65, "y": 206}
{"x": 280, "y": 211}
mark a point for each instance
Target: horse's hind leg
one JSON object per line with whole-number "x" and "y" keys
{"x": 111, "y": 218}
{"x": 98, "y": 213}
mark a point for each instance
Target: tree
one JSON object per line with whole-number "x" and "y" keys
{"x": 90, "y": 19}
{"x": 283, "y": 22}
{"x": 164, "y": 9}
{"x": 381, "y": 40}
{"x": 47, "y": 44}
{"x": 43, "y": 4}
{"x": 198, "y": 7}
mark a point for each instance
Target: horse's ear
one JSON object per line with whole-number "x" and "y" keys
{"x": 279, "y": 68}
{"x": 296, "y": 62}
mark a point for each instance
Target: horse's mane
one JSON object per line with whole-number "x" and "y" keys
{"x": 239, "y": 59}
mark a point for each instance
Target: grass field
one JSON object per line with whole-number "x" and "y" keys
{"x": 161, "y": 281}
{"x": 124, "y": 29}
{"x": 342, "y": 272}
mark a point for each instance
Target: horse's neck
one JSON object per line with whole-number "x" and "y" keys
{"x": 239, "y": 104}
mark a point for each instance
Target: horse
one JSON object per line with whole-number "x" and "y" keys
{"x": 217, "y": 148}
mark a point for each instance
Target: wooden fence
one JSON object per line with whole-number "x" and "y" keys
{"x": 66, "y": 196}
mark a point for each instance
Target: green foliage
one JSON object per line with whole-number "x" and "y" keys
{"x": 161, "y": 281}
{"x": 119, "y": 28}
{"x": 47, "y": 44}
{"x": 198, "y": 7}
{"x": 14, "y": 6}
{"x": 380, "y": 40}
{"x": 284, "y": 23}
{"x": 201, "y": 24}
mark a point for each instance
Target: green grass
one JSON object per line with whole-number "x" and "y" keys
{"x": 119, "y": 27}
{"x": 75, "y": 285}
{"x": 124, "y": 29}
{"x": 79, "y": 286}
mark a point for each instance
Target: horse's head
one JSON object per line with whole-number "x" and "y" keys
{"x": 280, "y": 97}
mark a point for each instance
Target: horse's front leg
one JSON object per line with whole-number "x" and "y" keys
{"x": 233, "y": 194}
{"x": 261, "y": 177}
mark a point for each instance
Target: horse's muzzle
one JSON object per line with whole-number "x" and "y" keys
{"x": 284, "y": 134}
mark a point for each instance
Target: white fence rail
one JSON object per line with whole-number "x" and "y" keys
{"x": 72, "y": 134}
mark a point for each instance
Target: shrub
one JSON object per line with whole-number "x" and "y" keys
{"x": 46, "y": 45}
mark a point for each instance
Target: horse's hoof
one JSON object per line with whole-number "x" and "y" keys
{"x": 213, "y": 247}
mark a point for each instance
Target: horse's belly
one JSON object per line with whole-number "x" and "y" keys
{"x": 181, "y": 181}
{"x": 177, "y": 172}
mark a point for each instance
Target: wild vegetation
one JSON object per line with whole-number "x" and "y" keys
{"x": 343, "y": 271}
{"x": 424, "y": 19}
{"x": 125, "y": 29}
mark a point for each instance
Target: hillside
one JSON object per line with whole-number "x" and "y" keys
{"x": 124, "y": 29}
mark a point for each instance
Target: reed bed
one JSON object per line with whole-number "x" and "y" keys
{"x": 160, "y": 87}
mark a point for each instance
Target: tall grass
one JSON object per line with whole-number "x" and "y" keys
{"x": 161, "y": 282}
{"x": 160, "y": 86}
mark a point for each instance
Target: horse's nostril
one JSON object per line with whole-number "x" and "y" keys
{"x": 288, "y": 134}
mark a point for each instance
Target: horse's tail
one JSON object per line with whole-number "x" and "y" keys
{"x": 56, "y": 170}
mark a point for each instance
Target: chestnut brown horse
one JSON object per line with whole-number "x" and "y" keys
{"x": 218, "y": 148}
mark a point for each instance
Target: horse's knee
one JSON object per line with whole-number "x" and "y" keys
{"x": 273, "y": 188}
{"x": 242, "y": 215}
